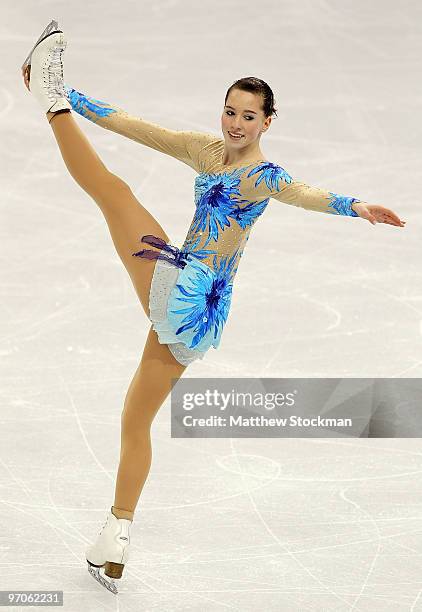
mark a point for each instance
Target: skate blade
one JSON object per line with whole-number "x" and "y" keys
{"x": 53, "y": 26}
{"x": 108, "y": 584}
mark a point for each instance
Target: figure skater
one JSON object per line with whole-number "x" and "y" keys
{"x": 185, "y": 292}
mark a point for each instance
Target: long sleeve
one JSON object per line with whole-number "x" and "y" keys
{"x": 282, "y": 187}
{"x": 186, "y": 146}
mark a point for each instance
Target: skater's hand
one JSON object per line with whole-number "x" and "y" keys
{"x": 26, "y": 71}
{"x": 377, "y": 214}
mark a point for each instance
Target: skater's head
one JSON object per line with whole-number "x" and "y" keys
{"x": 248, "y": 110}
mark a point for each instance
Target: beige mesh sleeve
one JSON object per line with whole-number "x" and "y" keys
{"x": 314, "y": 198}
{"x": 183, "y": 145}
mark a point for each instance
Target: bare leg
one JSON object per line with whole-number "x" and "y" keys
{"x": 127, "y": 220}
{"x": 80, "y": 157}
{"x": 151, "y": 384}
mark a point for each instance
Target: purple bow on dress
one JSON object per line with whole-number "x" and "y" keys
{"x": 178, "y": 255}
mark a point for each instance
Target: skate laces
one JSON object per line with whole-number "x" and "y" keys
{"x": 55, "y": 73}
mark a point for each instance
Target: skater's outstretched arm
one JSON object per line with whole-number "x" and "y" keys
{"x": 185, "y": 146}
{"x": 272, "y": 181}
{"x": 300, "y": 194}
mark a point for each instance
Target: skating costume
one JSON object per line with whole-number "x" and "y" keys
{"x": 192, "y": 286}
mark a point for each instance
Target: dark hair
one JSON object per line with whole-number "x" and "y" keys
{"x": 257, "y": 86}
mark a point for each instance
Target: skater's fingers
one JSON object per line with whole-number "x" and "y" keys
{"x": 25, "y": 73}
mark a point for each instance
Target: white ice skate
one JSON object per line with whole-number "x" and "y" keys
{"x": 45, "y": 70}
{"x": 110, "y": 551}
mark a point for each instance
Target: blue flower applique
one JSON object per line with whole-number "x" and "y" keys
{"x": 342, "y": 205}
{"x": 271, "y": 174}
{"x": 214, "y": 204}
{"x": 81, "y": 103}
{"x": 248, "y": 214}
{"x": 207, "y": 294}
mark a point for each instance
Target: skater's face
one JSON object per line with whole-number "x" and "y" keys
{"x": 243, "y": 114}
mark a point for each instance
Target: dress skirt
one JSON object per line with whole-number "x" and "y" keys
{"x": 164, "y": 280}
{"x": 189, "y": 302}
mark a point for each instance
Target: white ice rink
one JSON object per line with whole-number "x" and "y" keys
{"x": 273, "y": 524}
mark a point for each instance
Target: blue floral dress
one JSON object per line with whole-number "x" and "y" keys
{"x": 228, "y": 201}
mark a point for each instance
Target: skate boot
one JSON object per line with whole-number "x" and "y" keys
{"x": 45, "y": 71}
{"x": 110, "y": 551}
{"x": 53, "y": 26}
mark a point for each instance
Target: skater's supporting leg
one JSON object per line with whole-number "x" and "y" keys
{"x": 126, "y": 218}
{"x": 150, "y": 386}
{"x": 121, "y": 513}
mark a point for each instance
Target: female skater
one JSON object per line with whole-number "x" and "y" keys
{"x": 185, "y": 292}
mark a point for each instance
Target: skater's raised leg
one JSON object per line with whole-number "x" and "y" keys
{"x": 126, "y": 218}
